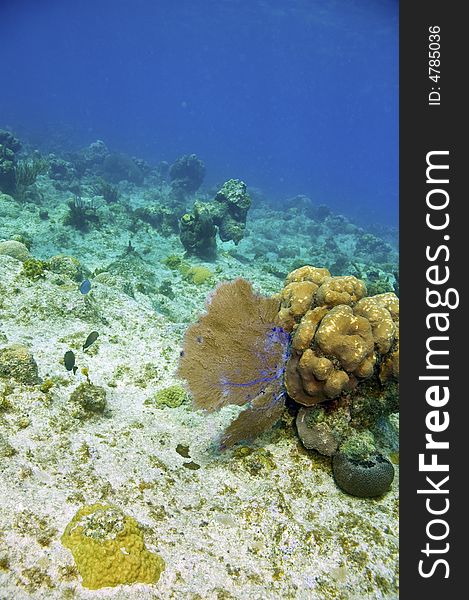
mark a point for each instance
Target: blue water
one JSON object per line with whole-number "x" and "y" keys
{"x": 293, "y": 97}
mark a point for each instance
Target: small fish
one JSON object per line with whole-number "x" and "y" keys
{"x": 193, "y": 466}
{"x": 85, "y": 287}
{"x": 90, "y": 339}
{"x": 69, "y": 361}
{"x": 183, "y": 450}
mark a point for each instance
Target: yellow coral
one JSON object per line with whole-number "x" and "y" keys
{"x": 345, "y": 336}
{"x": 172, "y": 396}
{"x": 297, "y": 296}
{"x": 108, "y": 548}
{"x": 380, "y": 319}
{"x": 340, "y": 290}
{"x": 306, "y": 330}
{"x": 390, "y": 301}
{"x": 339, "y": 337}
{"x": 198, "y": 275}
{"x": 308, "y": 273}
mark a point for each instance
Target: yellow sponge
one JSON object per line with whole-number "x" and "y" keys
{"x": 108, "y": 548}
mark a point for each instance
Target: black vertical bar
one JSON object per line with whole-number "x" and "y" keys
{"x": 434, "y": 247}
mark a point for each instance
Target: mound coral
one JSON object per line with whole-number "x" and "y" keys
{"x": 198, "y": 275}
{"x": 363, "y": 478}
{"x": 186, "y": 175}
{"x": 88, "y": 400}
{"x": 15, "y": 249}
{"x": 109, "y": 549}
{"x": 67, "y": 266}
{"x": 339, "y": 336}
{"x": 118, "y": 167}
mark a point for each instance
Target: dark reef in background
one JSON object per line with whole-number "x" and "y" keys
{"x": 226, "y": 214}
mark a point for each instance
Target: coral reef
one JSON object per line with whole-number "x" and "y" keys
{"x": 186, "y": 175}
{"x": 226, "y": 214}
{"x": 118, "y": 167}
{"x": 109, "y": 549}
{"x": 266, "y": 518}
{"x": 334, "y": 349}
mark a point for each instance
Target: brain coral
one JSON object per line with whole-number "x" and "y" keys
{"x": 340, "y": 337}
{"x": 363, "y": 478}
{"x": 15, "y": 249}
{"x": 108, "y": 548}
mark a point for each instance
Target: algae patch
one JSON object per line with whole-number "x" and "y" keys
{"x": 172, "y": 397}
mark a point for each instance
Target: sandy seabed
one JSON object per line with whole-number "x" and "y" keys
{"x": 261, "y": 525}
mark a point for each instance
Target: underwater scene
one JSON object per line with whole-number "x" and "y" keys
{"x": 199, "y": 300}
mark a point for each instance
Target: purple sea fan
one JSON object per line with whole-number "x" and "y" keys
{"x": 236, "y": 354}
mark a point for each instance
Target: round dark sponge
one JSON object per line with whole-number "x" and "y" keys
{"x": 363, "y": 478}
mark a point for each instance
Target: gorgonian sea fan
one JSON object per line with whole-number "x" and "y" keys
{"x": 236, "y": 354}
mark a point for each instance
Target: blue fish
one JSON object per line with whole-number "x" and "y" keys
{"x": 85, "y": 286}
